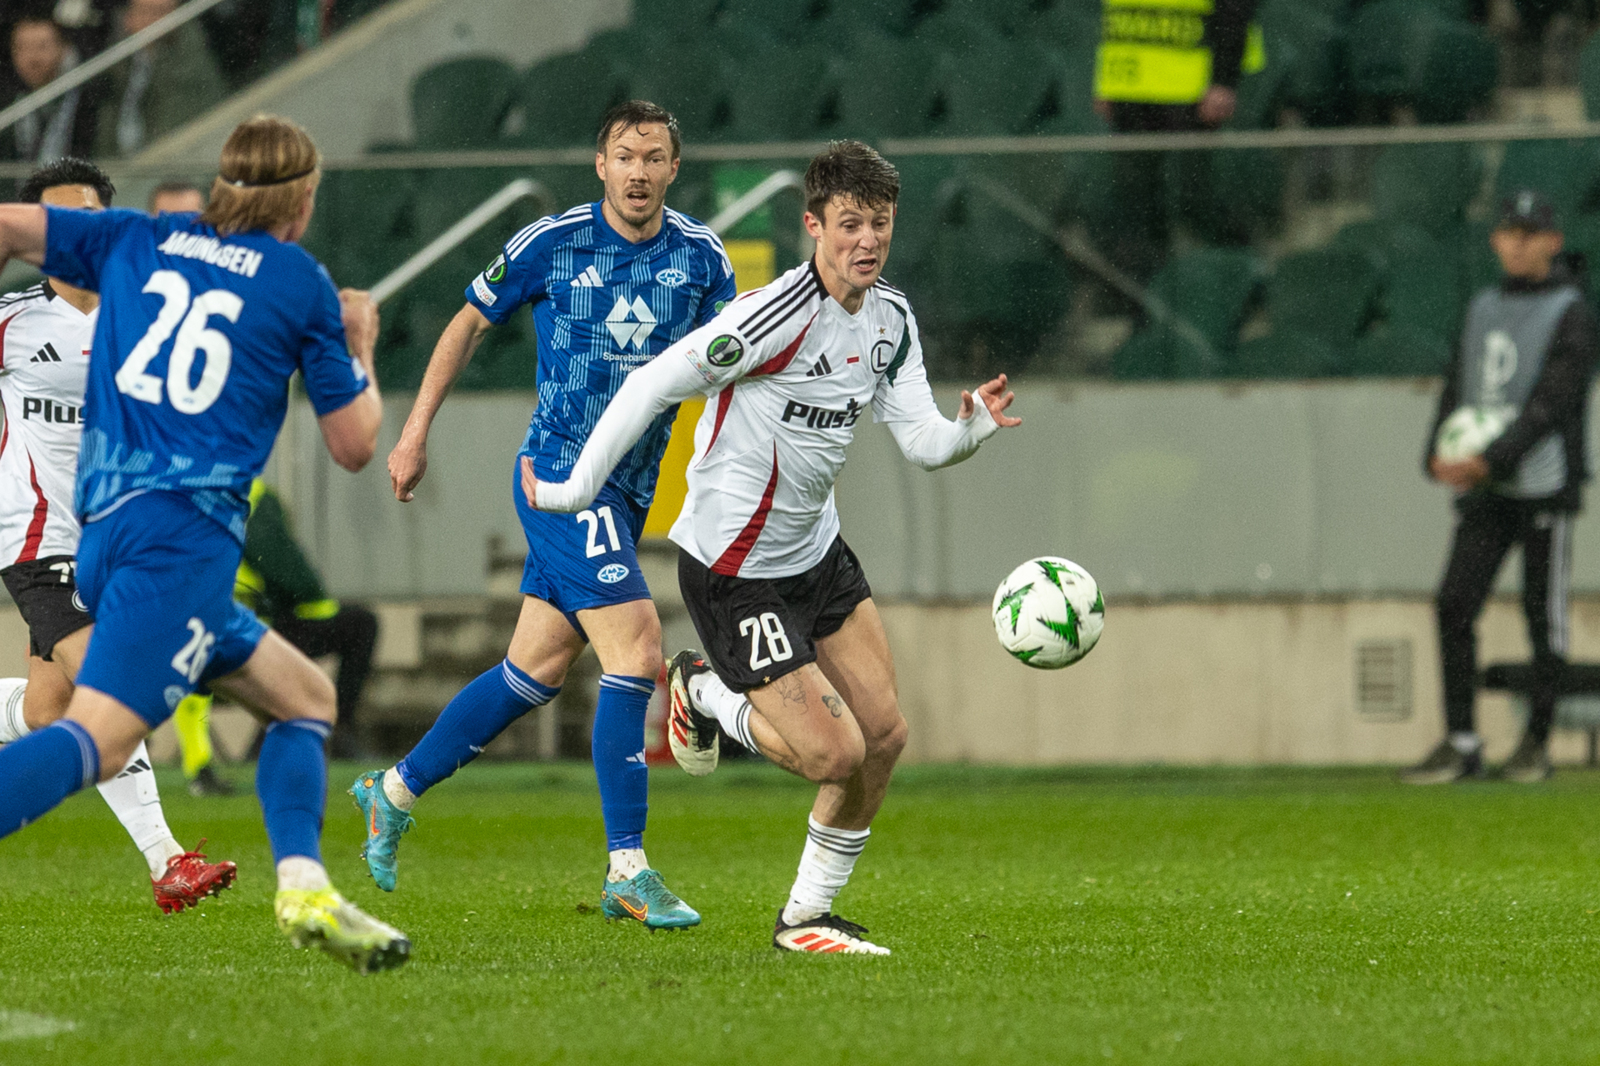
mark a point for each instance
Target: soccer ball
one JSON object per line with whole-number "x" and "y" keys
{"x": 1048, "y": 613}
{"x": 1467, "y": 432}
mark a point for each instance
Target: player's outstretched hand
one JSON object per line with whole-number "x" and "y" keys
{"x": 407, "y": 463}
{"x": 995, "y": 398}
{"x": 360, "y": 317}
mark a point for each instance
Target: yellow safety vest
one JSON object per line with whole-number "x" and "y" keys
{"x": 1154, "y": 52}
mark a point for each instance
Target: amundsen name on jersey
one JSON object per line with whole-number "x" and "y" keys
{"x": 819, "y": 417}
{"x": 231, "y": 257}
{"x": 50, "y": 411}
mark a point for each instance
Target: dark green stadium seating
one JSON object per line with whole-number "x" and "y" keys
{"x": 563, "y": 97}
{"x": 1330, "y": 292}
{"x": 1408, "y": 51}
{"x": 1428, "y": 185}
{"x": 1159, "y": 352}
{"x": 1310, "y": 43}
{"x": 1567, "y": 172}
{"x": 1423, "y": 282}
{"x": 1589, "y": 77}
{"x": 1399, "y": 351}
{"x": 1289, "y": 354}
{"x": 462, "y": 103}
{"x": 1211, "y": 289}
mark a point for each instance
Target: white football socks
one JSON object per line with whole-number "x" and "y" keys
{"x": 729, "y": 708}
{"x": 12, "y": 725}
{"x": 133, "y": 798}
{"x": 131, "y": 795}
{"x": 394, "y": 787}
{"x": 825, "y": 865}
{"x": 1466, "y": 743}
{"x": 302, "y": 873}
{"x": 626, "y": 863}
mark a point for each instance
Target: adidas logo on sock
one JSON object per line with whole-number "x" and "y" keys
{"x": 589, "y": 279}
{"x": 822, "y": 369}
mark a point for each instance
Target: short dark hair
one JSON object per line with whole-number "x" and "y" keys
{"x": 172, "y": 185}
{"x": 67, "y": 171}
{"x": 853, "y": 169}
{"x": 637, "y": 113}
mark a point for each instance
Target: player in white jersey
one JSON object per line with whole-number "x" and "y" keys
{"x": 799, "y": 663}
{"x": 45, "y": 334}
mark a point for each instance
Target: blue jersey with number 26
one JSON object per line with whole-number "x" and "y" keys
{"x": 197, "y": 339}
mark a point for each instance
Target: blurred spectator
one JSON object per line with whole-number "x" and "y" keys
{"x": 1166, "y": 69}
{"x": 176, "y": 197}
{"x": 41, "y": 53}
{"x": 161, "y": 86}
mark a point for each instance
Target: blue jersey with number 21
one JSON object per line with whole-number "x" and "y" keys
{"x": 197, "y": 339}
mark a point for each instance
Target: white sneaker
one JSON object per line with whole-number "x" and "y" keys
{"x": 829, "y": 935}
{"x": 693, "y": 736}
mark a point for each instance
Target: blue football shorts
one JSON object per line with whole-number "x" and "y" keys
{"x": 577, "y": 562}
{"x": 157, "y": 576}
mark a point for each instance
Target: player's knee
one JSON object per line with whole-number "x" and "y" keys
{"x": 887, "y": 746}
{"x": 318, "y": 700}
{"x": 838, "y": 762}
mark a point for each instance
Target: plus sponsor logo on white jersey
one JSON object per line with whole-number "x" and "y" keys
{"x": 794, "y": 373}
{"x": 44, "y": 364}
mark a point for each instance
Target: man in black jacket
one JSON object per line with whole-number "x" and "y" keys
{"x": 1527, "y": 353}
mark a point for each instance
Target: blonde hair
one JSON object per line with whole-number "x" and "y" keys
{"x": 267, "y": 166}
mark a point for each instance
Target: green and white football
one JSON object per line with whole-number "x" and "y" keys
{"x": 1468, "y": 431}
{"x": 1049, "y": 613}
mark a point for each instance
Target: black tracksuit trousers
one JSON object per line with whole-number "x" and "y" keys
{"x": 1486, "y": 529}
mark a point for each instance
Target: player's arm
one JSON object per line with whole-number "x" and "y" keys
{"x": 669, "y": 378}
{"x": 460, "y": 339}
{"x": 351, "y": 432}
{"x": 22, "y": 233}
{"x": 905, "y": 401}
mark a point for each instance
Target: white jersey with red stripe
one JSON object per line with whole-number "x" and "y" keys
{"x": 795, "y": 372}
{"x": 44, "y": 362}
{"x": 791, "y": 372}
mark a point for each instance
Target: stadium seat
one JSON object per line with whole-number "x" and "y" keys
{"x": 1310, "y": 43}
{"x": 1330, "y": 293}
{"x": 1211, "y": 289}
{"x": 1158, "y": 352}
{"x": 1567, "y": 172}
{"x": 1423, "y": 284}
{"x": 1407, "y": 51}
{"x": 1428, "y": 185}
{"x": 784, "y": 93}
{"x": 563, "y": 97}
{"x": 1288, "y": 354}
{"x": 462, "y": 103}
{"x": 1399, "y": 350}
{"x": 1589, "y": 77}
{"x": 676, "y": 19}
{"x": 892, "y": 96}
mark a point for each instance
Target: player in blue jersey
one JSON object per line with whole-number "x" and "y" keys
{"x": 203, "y": 320}
{"x": 611, "y": 285}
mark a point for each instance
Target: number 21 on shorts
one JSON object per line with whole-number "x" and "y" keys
{"x": 770, "y": 626}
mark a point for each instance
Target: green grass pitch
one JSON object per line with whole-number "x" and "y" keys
{"x": 1036, "y": 917}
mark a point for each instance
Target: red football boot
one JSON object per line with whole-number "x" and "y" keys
{"x": 190, "y": 879}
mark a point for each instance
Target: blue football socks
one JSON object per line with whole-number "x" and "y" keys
{"x": 292, "y": 784}
{"x": 42, "y": 769}
{"x": 479, "y": 713}
{"x": 618, "y": 749}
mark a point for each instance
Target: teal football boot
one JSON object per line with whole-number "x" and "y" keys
{"x": 386, "y": 823}
{"x": 645, "y": 898}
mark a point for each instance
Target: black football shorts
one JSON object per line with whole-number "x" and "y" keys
{"x": 755, "y": 630}
{"x": 46, "y": 592}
